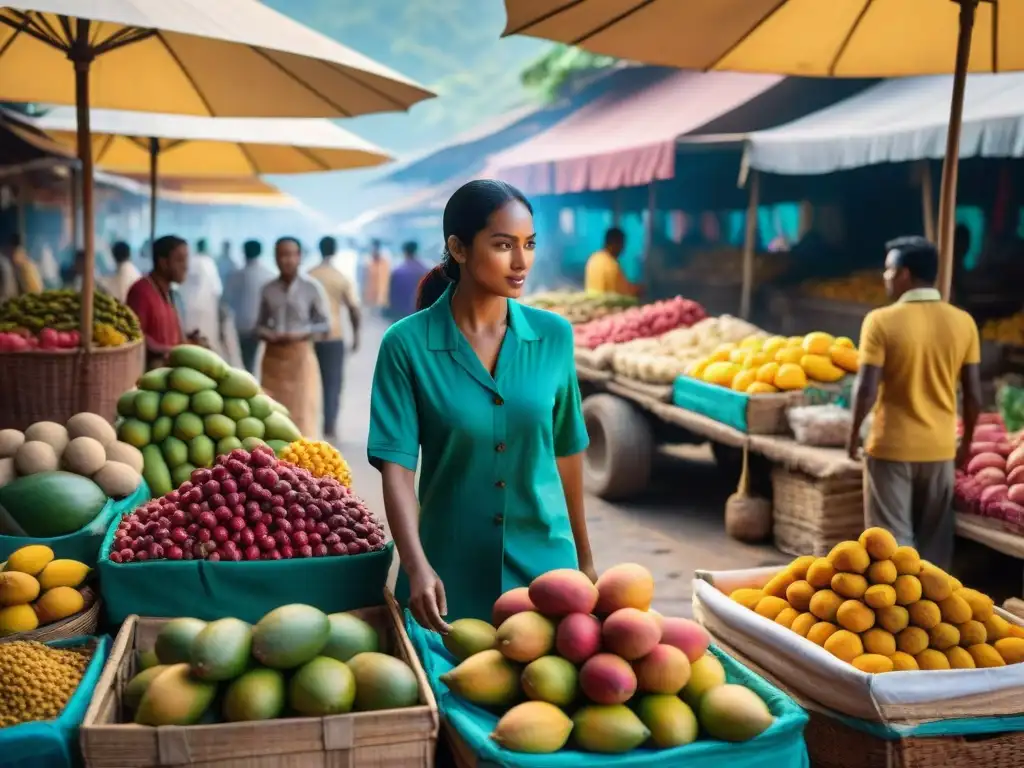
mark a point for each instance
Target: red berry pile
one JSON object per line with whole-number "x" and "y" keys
{"x": 249, "y": 506}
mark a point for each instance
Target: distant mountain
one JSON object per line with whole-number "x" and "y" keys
{"x": 451, "y": 46}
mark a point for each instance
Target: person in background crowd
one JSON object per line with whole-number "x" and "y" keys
{"x": 154, "y": 300}
{"x": 242, "y": 295}
{"x": 330, "y": 352}
{"x": 378, "y": 277}
{"x": 125, "y": 273}
{"x": 603, "y": 272}
{"x": 225, "y": 262}
{"x": 49, "y": 269}
{"x": 293, "y": 313}
{"x": 8, "y": 278}
{"x": 912, "y": 355}
{"x": 487, "y": 388}
{"x": 25, "y": 270}
{"x": 404, "y": 282}
{"x": 201, "y": 292}
{"x": 75, "y": 273}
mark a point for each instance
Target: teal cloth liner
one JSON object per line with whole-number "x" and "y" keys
{"x": 966, "y": 726}
{"x": 244, "y": 590}
{"x": 54, "y": 743}
{"x": 781, "y": 746}
{"x": 82, "y": 545}
{"x": 719, "y": 403}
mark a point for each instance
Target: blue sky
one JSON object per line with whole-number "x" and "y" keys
{"x": 451, "y": 46}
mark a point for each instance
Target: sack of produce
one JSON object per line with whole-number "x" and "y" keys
{"x": 550, "y": 677}
{"x": 250, "y": 534}
{"x": 54, "y": 683}
{"x": 184, "y": 416}
{"x": 820, "y": 425}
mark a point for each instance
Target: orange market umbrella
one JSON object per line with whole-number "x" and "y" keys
{"x": 218, "y": 58}
{"x": 811, "y": 38}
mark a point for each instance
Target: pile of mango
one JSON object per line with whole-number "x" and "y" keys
{"x": 881, "y": 608}
{"x": 294, "y": 662}
{"x": 579, "y": 653}
{"x": 36, "y": 589}
{"x": 859, "y": 288}
{"x": 185, "y": 415}
{"x": 1007, "y": 330}
{"x": 60, "y": 311}
{"x": 580, "y": 306}
{"x": 760, "y": 365}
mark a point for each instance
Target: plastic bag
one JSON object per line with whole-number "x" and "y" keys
{"x": 820, "y": 425}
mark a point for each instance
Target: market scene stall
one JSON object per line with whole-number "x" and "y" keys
{"x": 193, "y": 573}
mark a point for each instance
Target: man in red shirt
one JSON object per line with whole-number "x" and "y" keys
{"x": 151, "y": 299}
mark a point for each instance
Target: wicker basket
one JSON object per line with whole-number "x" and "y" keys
{"x": 812, "y": 515}
{"x": 54, "y": 386}
{"x": 82, "y": 623}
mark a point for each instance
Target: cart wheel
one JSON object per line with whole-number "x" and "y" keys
{"x": 618, "y": 461}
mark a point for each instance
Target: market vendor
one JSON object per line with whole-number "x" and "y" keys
{"x": 603, "y": 272}
{"x": 487, "y": 388}
{"x": 153, "y": 299}
{"x": 293, "y": 314}
{"x": 913, "y": 354}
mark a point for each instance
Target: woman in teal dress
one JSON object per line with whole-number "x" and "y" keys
{"x": 486, "y": 388}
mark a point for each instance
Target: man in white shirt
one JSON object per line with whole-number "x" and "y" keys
{"x": 125, "y": 273}
{"x": 242, "y": 295}
{"x": 201, "y": 293}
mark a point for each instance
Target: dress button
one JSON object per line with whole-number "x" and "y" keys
{"x": 499, "y": 519}
{"x": 500, "y": 484}
{"x": 498, "y": 400}
{"x": 500, "y": 447}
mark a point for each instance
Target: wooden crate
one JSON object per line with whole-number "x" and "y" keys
{"x": 811, "y": 515}
{"x": 404, "y": 738}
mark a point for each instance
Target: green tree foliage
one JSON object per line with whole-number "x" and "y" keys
{"x": 549, "y": 74}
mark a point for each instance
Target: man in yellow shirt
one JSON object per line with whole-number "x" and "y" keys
{"x": 603, "y": 272}
{"x": 913, "y": 354}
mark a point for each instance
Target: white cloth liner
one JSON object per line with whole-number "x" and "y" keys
{"x": 785, "y": 651}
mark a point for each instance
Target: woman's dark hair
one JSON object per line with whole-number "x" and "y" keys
{"x": 465, "y": 215}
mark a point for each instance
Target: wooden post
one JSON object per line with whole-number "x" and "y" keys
{"x": 947, "y": 192}
{"x": 750, "y": 245}
{"x": 927, "y": 200}
{"x": 81, "y": 55}
{"x": 76, "y": 208}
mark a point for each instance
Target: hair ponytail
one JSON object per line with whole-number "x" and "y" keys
{"x": 436, "y": 281}
{"x": 465, "y": 214}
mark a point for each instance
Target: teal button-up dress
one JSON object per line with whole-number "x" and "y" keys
{"x": 492, "y": 509}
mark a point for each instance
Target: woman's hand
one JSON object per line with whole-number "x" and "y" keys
{"x": 427, "y": 600}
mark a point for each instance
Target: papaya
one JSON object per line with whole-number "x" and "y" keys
{"x": 198, "y": 358}
{"x": 188, "y": 381}
{"x": 49, "y": 504}
{"x": 155, "y": 471}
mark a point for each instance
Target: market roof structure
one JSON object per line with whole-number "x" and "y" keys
{"x": 627, "y": 137}
{"x": 896, "y": 121}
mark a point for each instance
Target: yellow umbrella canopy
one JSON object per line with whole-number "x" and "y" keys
{"x": 817, "y": 38}
{"x": 219, "y": 58}
{"x": 190, "y": 146}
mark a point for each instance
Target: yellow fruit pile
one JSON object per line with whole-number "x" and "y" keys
{"x": 37, "y": 681}
{"x": 860, "y": 287}
{"x": 35, "y": 589}
{"x": 1008, "y": 330}
{"x": 758, "y": 365}
{"x": 320, "y": 458}
{"x": 881, "y": 608}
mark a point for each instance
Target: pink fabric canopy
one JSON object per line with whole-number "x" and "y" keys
{"x": 625, "y": 138}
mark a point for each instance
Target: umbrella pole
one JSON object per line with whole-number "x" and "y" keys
{"x": 749, "y": 242}
{"x": 82, "y": 58}
{"x": 947, "y": 192}
{"x": 154, "y": 159}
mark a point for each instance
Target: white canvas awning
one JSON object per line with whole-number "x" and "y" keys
{"x": 896, "y": 121}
